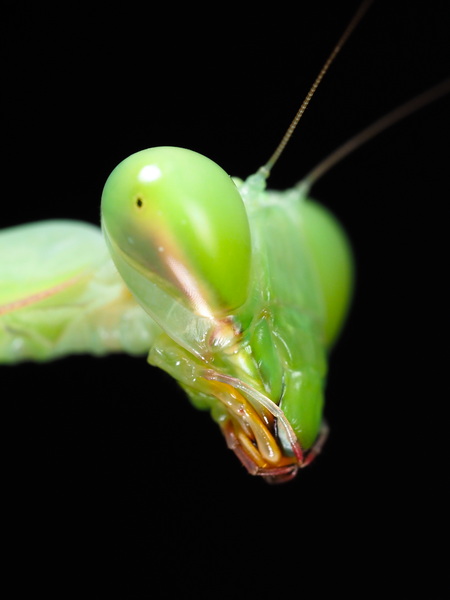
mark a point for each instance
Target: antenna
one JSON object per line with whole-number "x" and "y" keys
{"x": 265, "y": 170}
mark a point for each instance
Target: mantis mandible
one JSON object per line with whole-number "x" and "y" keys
{"x": 257, "y": 364}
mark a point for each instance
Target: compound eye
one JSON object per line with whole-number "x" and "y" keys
{"x": 188, "y": 227}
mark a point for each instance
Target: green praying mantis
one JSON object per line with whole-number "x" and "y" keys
{"x": 238, "y": 292}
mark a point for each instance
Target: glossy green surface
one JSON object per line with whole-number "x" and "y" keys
{"x": 246, "y": 288}
{"x": 179, "y": 216}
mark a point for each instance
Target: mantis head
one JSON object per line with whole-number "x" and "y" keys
{"x": 179, "y": 234}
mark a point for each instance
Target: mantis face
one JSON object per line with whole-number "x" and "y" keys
{"x": 215, "y": 270}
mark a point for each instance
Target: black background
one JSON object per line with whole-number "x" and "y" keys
{"x": 113, "y": 481}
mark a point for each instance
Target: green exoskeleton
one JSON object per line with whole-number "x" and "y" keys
{"x": 249, "y": 289}
{"x": 237, "y": 291}
{"x": 244, "y": 290}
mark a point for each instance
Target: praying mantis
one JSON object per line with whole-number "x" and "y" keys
{"x": 288, "y": 472}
